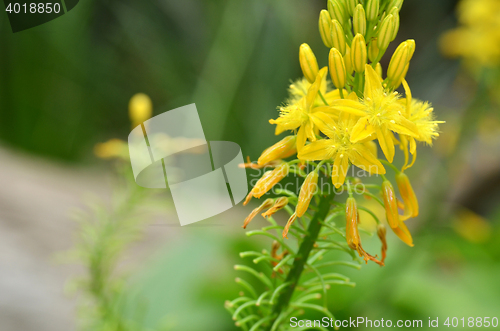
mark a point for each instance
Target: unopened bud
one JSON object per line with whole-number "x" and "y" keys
{"x": 325, "y": 28}
{"x": 396, "y": 3}
{"x": 337, "y": 10}
{"x": 378, "y": 69}
{"x": 351, "y": 229}
{"x": 385, "y": 32}
{"x": 307, "y": 191}
{"x": 348, "y": 61}
{"x": 390, "y": 203}
{"x": 398, "y": 63}
{"x": 140, "y": 109}
{"x": 338, "y": 37}
{"x": 280, "y": 150}
{"x": 372, "y": 8}
{"x": 359, "y": 20}
{"x": 395, "y": 12}
{"x": 337, "y": 68}
{"x": 308, "y": 63}
{"x": 351, "y": 6}
{"x": 358, "y": 53}
{"x": 373, "y": 50}
{"x": 396, "y": 84}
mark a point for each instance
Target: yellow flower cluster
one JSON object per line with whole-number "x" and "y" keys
{"x": 337, "y": 121}
{"x": 477, "y": 39}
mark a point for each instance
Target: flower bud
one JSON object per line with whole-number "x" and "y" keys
{"x": 268, "y": 180}
{"x": 280, "y": 150}
{"x": 338, "y": 37}
{"x": 325, "y": 28}
{"x": 385, "y": 32}
{"x": 351, "y": 6}
{"x": 358, "y": 53}
{"x": 378, "y": 69}
{"x": 396, "y": 84}
{"x": 266, "y": 204}
{"x": 411, "y": 45}
{"x": 390, "y": 203}
{"x": 279, "y": 204}
{"x": 381, "y": 233}
{"x": 337, "y": 10}
{"x": 140, "y": 109}
{"x": 398, "y": 63}
{"x": 351, "y": 229}
{"x": 395, "y": 12}
{"x": 348, "y": 61}
{"x": 309, "y": 187}
{"x": 308, "y": 63}
{"x": 396, "y": 3}
{"x": 359, "y": 20}
{"x": 408, "y": 195}
{"x": 337, "y": 68}
{"x": 373, "y": 50}
{"x": 372, "y": 8}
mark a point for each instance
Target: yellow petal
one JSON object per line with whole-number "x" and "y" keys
{"x": 319, "y": 150}
{"x": 373, "y": 82}
{"x": 386, "y": 143}
{"x": 362, "y": 158}
{"x": 349, "y": 106}
{"x": 408, "y": 98}
{"x": 404, "y": 234}
{"x": 362, "y": 130}
{"x": 312, "y": 93}
{"x": 339, "y": 170}
{"x": 301, "y": 138}
{"x": 308, "y": 127}
{"x": 334, "y": 95}
{"x": 325, "y": 123}
{"x": 404, "y": 126}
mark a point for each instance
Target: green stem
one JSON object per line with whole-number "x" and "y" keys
{"x": 323, "y": 98}
{"x": 300, "y": 261}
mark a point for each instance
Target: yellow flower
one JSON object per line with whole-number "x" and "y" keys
{"x": 341, "y": 149}
{"x": 422, "y": 115}
{"x": 300, "y": 115}
{"x": 140, "y": 109}
{"x": 380, "y": 113}
{"x": 477, "y": 39}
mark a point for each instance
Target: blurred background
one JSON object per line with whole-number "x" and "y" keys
{"x": 65, "y": 87}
